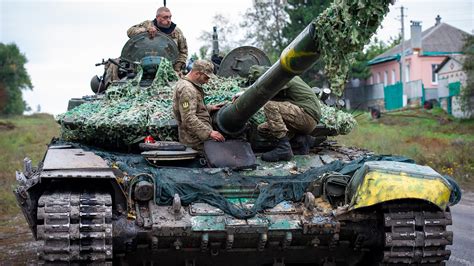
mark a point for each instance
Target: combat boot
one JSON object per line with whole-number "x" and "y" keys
{"x": 281, "y": 153}
{"x": 301, "y": 144}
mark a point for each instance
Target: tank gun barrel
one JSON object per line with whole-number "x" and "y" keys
{"x": 297, "y": 57}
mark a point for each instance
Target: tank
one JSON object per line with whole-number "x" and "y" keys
{"x": 130, "y": 194}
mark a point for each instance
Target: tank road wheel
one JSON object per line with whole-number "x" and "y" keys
{"x": 75, "y": 227}
{"x": 416, "y": 234}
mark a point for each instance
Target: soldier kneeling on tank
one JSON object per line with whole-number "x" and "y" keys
{"x": 293, "y": 112}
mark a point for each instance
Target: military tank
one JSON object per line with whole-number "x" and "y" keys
{"x": 98, "y": 204}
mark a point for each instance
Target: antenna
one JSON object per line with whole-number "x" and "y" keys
{"x": 164, "y": 2}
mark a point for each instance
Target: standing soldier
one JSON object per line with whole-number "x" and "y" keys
{"x": 162, "y": 23}
{"x": 192, "y": 115}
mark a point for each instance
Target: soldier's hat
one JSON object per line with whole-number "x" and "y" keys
{"x": 205, "y": 67}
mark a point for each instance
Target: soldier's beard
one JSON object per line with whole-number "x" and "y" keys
{"x": 163, "y": 26}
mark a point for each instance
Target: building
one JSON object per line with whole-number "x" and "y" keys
{"x": 417, "y": 65}
{"x": 451, "y": 80}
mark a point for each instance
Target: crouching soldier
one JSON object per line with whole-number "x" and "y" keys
{"x": 294, "y": 111}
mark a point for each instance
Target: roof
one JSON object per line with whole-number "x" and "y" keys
{"x": 458, "y": 58}
{"x": 442, "y": 39}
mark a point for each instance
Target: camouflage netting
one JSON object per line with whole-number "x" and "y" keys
{"x": 128, "y": 112}
{"x": 343, "y": 29}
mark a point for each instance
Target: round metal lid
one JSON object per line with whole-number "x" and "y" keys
{"x": 238, "y": 61}
{"x": 141, "y": 45}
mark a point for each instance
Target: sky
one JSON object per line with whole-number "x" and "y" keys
{"x": 63, "y": 39}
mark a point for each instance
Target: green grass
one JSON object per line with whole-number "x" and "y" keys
{"x": 20, "y": 137}
{"x": 429, "y": 137}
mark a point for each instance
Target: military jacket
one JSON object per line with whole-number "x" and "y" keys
{"x": 192, "y": 115}
{"x": 176, "y": 35}
{"x": 296, "y": 91}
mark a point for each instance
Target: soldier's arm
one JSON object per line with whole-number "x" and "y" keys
{"x": 187, "y": 109}
{"x": 183, "y": 50}
{"x": 139, "y": 28}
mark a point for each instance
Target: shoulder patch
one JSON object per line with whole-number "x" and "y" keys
{"x": 185, "y": 105}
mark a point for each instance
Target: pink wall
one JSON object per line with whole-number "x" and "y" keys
{"x": 381, "y": 68}
{"x": 420, "y": 68}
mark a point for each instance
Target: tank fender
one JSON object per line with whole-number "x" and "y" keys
{"x": 382, "y": 181}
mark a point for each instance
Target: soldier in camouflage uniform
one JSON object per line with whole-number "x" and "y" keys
{"x": 295, "y": 110}
{"x": 192, "y": 115}
{"x": 162, "y": 23}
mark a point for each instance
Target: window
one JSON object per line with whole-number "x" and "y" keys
{"x": 407, "y": 73}
{"x": 378, "y": 77}
{"x": 385, "y": 78}
{"x": 393, "y": 77}
{"x": 434, "y": 75}
{"x": 371, "y": 80}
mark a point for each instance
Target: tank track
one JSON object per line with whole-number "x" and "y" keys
{"x": 416, "y": 237}
{"x": 76, "y": 227}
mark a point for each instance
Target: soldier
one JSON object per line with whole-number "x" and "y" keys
{"x": 194, "y": 121}
{"x": 294, "y": 110}
{"x": 162, "y": 23}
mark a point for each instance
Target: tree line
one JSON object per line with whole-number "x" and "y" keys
{"x": 13, "y": 80}
{"x": 271, "y": 25}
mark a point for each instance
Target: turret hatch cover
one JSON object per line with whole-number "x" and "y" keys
{"x": 238, "y": 61}
{"x": 141, "y": 45}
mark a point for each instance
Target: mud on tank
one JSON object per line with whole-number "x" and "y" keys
{"x": 337, "y": 206}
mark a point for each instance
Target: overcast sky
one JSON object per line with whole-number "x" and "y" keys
{"x": 63, "y": 39}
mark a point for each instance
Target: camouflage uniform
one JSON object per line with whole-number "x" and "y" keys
{"x": 176, "y": 35}
{"x": 192, "y": 115}
{"x": 294, "y": 110}
{"x": 286, "y": 118}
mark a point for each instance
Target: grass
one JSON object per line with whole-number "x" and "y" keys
{"x": 20, "y": 137}
{"x": 429, "y": 137}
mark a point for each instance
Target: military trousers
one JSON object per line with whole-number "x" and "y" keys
{"x": 286, "y": 119}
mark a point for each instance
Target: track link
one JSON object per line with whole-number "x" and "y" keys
{"x": 75, "y": 227}
{"x": 416, "y": 237}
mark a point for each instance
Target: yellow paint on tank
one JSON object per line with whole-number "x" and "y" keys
{"x": 290, "y": 55}
{"x": 379, "y": 187}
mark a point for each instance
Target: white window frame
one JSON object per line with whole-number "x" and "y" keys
{"x": 407, "y": 73}
{"x": 434, "y": 74}
{"x": 394, "y": 79}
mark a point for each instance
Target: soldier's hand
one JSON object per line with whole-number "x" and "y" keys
{"x": 151, "y": 32}
{"x": 215, "y": 135}
{"x": 216, "y": 107}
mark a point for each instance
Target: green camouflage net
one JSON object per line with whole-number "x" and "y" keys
{"x": 128, "y": 112}
{"x": 343, "y": 29}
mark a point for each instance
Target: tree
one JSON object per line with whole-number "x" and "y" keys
{"x": 301, "y": 13}
{"x": 467, "y": 92}
{"x": 13, "y": 79}
{"x": 227, "y": 32}
{"x": 265, "y": 22}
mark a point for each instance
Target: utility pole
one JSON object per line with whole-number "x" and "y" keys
{"x": 402, "y": 42}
